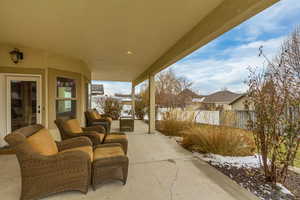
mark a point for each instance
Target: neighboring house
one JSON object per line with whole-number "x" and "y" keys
{"x": 190, "y": 99}
{"x": 221, "y": 99}
{"x": 97, "y": 89}
{"x": 126, "y": 99}
{"x": 239, "y": 103}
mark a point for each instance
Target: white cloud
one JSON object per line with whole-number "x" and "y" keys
{"x": 272, "y": 20}
{"x": 231, "y": 71}
{"x": 228, "y": 67}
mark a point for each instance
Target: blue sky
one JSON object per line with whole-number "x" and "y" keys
{"x": 224, "y": 61}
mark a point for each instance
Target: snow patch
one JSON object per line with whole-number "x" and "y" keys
{"x": 178, "y": 139}
{"x": 245, "y": 161}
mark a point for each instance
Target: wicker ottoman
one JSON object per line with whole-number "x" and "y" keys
{"x": 109, "y": 163}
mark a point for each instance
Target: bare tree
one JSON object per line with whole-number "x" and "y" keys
{"x": 168, "y": 88}
{"x": 275, "y": 94}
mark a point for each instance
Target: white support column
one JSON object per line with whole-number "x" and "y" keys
{"x": 151, "y": 104}
{"x": 133, "y": 100}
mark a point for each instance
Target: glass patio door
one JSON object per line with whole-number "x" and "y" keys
{"x": 23, "y": 102}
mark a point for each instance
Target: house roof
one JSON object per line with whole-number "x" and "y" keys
{"x": 237, "y": 98}
{"x": 190, "y": 93}
{"x": 221, "y": 97}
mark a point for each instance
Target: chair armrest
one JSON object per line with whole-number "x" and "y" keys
{"x": 73, "y": 142}
{"x": 106, "y": 115}
{"x": 98, "y": 128}
{"x": 95, "y": 137}
{"x": 103, "y": 120}
{"x": 38, "y": 165}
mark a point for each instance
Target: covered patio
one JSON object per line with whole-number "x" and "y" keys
{"x": 59, "y": 47}
{"x": 159, "y": 169}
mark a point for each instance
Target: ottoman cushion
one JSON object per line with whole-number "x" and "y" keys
{"x": 108, "y": 152}
{"x": 116, "y": 137}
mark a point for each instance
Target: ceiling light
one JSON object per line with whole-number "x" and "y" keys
{"x": 129, "y": 52}
{"x": 16, "y": 55}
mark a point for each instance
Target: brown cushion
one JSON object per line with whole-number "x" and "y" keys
{"x": 85, "y": 149}
{"x": 72, "y": 126}
{"x": 43, "y": 143}
{"x": 108, "y": 152}
{"x": 97, "y": 115}
{"x": 93, "y": 114}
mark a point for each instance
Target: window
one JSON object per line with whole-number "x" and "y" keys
{"x": 65, "y": 98}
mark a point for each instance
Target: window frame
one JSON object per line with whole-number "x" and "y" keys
{"x": 66, "y": 98}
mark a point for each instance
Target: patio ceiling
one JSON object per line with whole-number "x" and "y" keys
{"x": 122, "y": 40}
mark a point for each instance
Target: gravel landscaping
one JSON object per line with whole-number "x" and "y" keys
{"x": 246, "y": 171}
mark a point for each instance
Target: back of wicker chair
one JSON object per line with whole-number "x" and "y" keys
{"x": 90, "y": 121}
{"x": 59, "y": 123}
{"x": 44, "y": 175}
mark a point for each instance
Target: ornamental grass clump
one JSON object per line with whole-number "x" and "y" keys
{"x": 173, "y": 127}
{"x": 174, "y": 122}
{"x": 220, "y": 140}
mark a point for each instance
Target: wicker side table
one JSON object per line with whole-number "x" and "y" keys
{"x": 126, "y": 124}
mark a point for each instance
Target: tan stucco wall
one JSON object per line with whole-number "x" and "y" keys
{"x": 49, "y": 66}
{"x": 36, "y": 58}
{"x": 225, "y": 106}
{"x": 239, "y": 104}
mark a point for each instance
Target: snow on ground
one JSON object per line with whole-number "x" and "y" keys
{"x": 239, "y": 162}
{"x": 246, "y": 161}
{"x": 178, "y": 139}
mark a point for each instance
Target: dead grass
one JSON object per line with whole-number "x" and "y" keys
{"x": 220, "y": 140}
{"x": 173, "y": 127}
{"x": 174, "y": 122}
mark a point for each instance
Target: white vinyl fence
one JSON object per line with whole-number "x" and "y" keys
{"x": 238, "y": 119}
{"x": 208, "y": 117}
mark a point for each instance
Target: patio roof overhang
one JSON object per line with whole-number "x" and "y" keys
{"x": 122, "y": 40}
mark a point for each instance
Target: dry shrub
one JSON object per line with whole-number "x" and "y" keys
{"x": 220, "y": 140}
{"x": 173, "y": 127}
{"x": 174, "y": 122}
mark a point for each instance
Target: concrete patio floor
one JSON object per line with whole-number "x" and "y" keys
{"x": 159, "y": 169}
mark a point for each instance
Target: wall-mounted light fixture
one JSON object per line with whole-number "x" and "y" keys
{"x": 16, "y": 55}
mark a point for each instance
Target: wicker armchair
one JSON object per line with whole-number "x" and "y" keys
{"x": 71, "y": 128}
{"x": 95, "y": 133}
{"x": 94, "y": 118}
{"x": 48, "y": 167}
